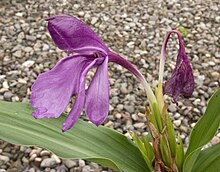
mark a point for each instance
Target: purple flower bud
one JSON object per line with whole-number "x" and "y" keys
{"x": 181, "y": 82}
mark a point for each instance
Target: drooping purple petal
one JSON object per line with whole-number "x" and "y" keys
{"x": 73, "y": 35}
{"x": 97, "y": 95}
{"x": 52, "y": 90}
{"x": 80, "y": 100}
{"x": 181, "y": 82}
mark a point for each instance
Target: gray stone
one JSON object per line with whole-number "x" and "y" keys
{"x": 5, "y": 159}
{"x": 82, "y": 163}
{"x": 69, "y": 163}
{"x": 48, "y": 162}
{"x": 17, "y": 53}
{"x": 8, "y": 95}
{"x": 177, "y": 123}
{"x": 129, "y": 108}
{"x": 172, "y": 108}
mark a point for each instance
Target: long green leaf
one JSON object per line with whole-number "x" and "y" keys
{"x": 207, "y": 126}
{"x": 85, "y": 141}
{"x": 190, "y": 160}
{"x": 208, "y": 160}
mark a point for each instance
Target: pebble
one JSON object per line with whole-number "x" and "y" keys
{"x": 139, "y": 125}
{"x": 44, "y": 153}
{"x": 28, "y": 63}
{"x": 172, "y": 108}
{"x": 177, "y": 123}
{"x": 5, "y": 85}
{"x": 87, "y": 169}
{"x": 57, "y": 159}
{"x": 183, "y": 128}
{"x": 8, "y": 95}
{"x": 17, "y": 53}
{"x": 5, "y": 159}
{"x": 28, "y": 49}
{"x": 81, "y": 163}
{"x": 70, "y": 163}
{"x": 129, "y": 109}
{"x": 48, "y": 162}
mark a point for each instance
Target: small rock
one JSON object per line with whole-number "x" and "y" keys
{"x": 215, "y": 74}
{"x": 177, "y": 123}
{"x": 69, "y": 163}
{"x": 109, "y": 124}
{"x": 134, "y": 117}
{"x": 119, "y": 107}
{"x": 129, "y": 108}
{"x": 22, "y": 81}
{"x": 25, "y": 160}
{"x": 172, "y": 108}
{"x": 45, "y": 47}
{"x": 118, "y": 116}
{"x": 33, "y": 156}
{"x": 8, "y": 95}
{"x": 87, "y": 169}
{"x": 5, "y": 85}
{"x": 82, "y": 163}
{"x": 57, "y": 159}
{"x": 94, "y": 20}
{"x": 139, "y": 125}
{"x": 28, "y": 49}
{"x": 28, "y": 63}
{"x": 48, "y": 162}
{"x": 17, "y": 53}
{"x": 44, "y": 153}
{"x": 81, "y": 13}
{"x": 5, "y": 159}
{"x": 184, "y": 128}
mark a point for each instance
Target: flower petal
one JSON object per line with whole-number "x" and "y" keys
{"x": 80, "y": 100}
{"x": 97, "y": 95}
{"x": 52, "y": 90}
{"x": 73, "y": 35}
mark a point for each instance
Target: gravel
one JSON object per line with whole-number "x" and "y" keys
{"x": 133, "y": 28}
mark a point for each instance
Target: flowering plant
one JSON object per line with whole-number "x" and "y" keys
{"x": 52, "y": 91}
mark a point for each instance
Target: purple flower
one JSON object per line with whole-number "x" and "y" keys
{"x": 53, "y": 90}
{"x": 181, "y": 82}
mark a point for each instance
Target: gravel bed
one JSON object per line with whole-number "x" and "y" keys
{"x": 133, "y": 28}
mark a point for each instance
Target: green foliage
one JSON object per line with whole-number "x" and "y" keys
{"x": 143, "y": 150}
{"x": 183, "y": 31}
{"x": 207, "y": 126}
{"x": 179, "y": 158}
{"x": 203, "y": 132}
{"x": 85, "y": 141}
{"x": 208, "y": 160}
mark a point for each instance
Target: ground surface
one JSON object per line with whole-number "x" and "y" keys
{"x": 133, "y": 28}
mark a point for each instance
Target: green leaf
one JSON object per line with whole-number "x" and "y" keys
{"x": 85, "y": 141}
{"x": 208, "y": 160}
{"x": 179, "y": 158}
{"x": 149, "y": 148}
{"x": 190, "y": 160}
{"x": 207, "y": 126}
{"x": 171, "y": 135}
{"x": 142, "y": 149}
